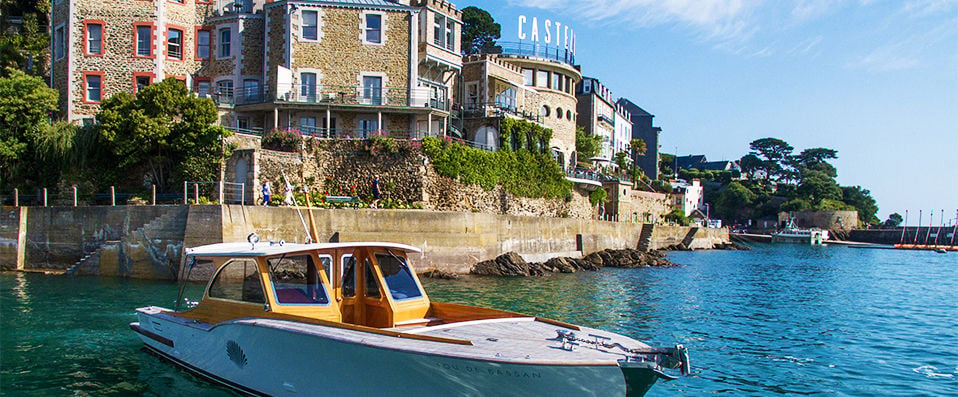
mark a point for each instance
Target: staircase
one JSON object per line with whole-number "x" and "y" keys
{"x": 687, "y": 241}
{"x": 645, "y": 238}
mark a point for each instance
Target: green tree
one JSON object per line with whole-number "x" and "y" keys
{"x": 893, "y": 221}
{"x": 587, "y": 146}
{"x": 775, "y": 154}
{"x": 479, "y": 32}
{"x": 862, "y": 200}
{"x": 638, "y": 148}
{"x": 817, "y": 186}
{"x": 24, "y": 46}
{"x": 25, "y": 105}
{"x": 621, "y": 160}
{"x": 666, "y": 164}
{"x": 734, "y": 202}
{"x": 164, "y": 132}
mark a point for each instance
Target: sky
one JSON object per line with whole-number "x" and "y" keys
{"x": 876, "y": 80}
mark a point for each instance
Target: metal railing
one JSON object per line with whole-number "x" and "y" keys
{"x": 332, "y": 95}
{"x": 497, "y": 109}
{"x": 535, "y": 50}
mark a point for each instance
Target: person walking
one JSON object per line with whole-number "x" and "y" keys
{"x": 377, "y": 193}
{"x": 266, "y": 192}
{"x": 289, "y": 200}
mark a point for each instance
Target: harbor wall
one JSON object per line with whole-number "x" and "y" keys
{"x": 894, "y": 236}
{"x": 147, "y": 241}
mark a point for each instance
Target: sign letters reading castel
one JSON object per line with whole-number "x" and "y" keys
{"x": 548, "y": 32}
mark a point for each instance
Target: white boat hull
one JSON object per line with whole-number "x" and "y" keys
{"x": 270, "y": 358}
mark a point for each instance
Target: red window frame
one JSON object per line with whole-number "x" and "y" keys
{"x": 152, "y": 27}
{"x": 196, "y": 39}
{"x": 142, "y": 74}
{"x": 166, "y": 43}
{"x": 196, "y": 84}
{"x": 86, "y": 24}
{"x": 85, "y": 87}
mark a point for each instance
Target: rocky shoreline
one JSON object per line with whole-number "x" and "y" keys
{"x": 512, "y": 265}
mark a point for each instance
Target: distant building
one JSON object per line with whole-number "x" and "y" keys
{"x": 642, "y": 129}
{"x": 597, "y": 114}
{"x": 701, "y": 163}
{"x": 686, "y": 196}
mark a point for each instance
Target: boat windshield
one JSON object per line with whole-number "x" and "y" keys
{"x": 399, "y": 279}
{"x": 296, "y": 280}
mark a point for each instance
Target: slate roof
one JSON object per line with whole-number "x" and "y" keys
{"x": 381, "y": 4}
{"x": 633, "y": 108}
{"x": 692, "y": 161}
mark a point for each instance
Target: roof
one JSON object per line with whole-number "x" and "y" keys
{"x": 689, "y": 161}
{"x": 269, "y": 249}
{"x": 717, "y": 165}
{"x": 374, "y": 4}
{"x": 634, "y": 109}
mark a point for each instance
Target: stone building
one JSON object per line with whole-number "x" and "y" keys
{"x": 337, "y": 68}
{"x": 601, "y": 116}
{"x": 533, "y": 83}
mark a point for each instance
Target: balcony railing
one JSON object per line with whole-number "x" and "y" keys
{"x": 496, "y": 109}
{"x": 332, "y": 95}
{"x": 535, "y": 50}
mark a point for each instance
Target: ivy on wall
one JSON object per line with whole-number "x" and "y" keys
{"x": 515, "y": 134}
{"x": 521, "y": 172}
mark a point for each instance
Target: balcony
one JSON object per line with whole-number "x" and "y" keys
{"x": 332, "y": 95}
{"x": 497, "y": 109}
{"x": 537, "y": 50}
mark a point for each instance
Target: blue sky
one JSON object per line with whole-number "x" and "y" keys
{"x": 875, "y": 80}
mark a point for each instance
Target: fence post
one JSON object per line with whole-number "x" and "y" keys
{"x": 186, "y": 201}
{"x": 196, "y": 193}
{"x": 112, "y": 195}
{"x": 44, "y": 197}
{"x": 154, "y": 194}
{"x": 243, "y": 193}
{"x": 16, "y": 197}
{"x": 74, "y": 196}
{"x": 221, "y": 192}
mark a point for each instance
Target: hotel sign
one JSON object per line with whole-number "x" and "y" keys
{"x": 547, "y": 32}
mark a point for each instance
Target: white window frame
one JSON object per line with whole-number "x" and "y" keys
{"x": 208, "y": 45}
{"x": 89, "y": 39}
{"x": 219, "y": 94}
{"x": 87, "y": 90}
{"x": 305, "y": 97}
{"x": 252, "y": 88}
{"x": 382, "y": 28}
{"x": 209, "y": 89}
{"x": 303, "y": 26}
{"x": 171, "y": 45}
{"x": 149, "y": 41}
{"x": 228, "y": 44}
{"x": 367, "y": 126}
{"x": 439, "y": 30}
{"x": 361, "y": 87}
{"x": 450, "y": 35}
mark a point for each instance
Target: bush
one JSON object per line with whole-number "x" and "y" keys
{"x": 598, "y": 196}
{"x": 677, "y": 216}
{"x": 283, "y": 140}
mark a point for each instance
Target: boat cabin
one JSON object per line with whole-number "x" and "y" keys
{"x": 364, "y": 284}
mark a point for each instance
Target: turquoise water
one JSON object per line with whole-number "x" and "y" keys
{"x": 774, "y": 320}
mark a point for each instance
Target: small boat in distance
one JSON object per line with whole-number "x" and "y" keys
{"x": 794, "y": 234}
{"x": 352, "y": 319}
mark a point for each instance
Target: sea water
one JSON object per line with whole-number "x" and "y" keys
{"x": 779, "y": 319}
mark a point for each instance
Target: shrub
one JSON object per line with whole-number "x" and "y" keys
{"x": 283, "y": 140}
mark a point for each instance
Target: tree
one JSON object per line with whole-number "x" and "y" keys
{"x": 620, "y": 160}
{"x": 163, "y": 129}
{"x": 817, "y": 186}
{"x": 666, "y": 162}
{"x": 893, "y": 220}
{"x": 638, "y": 147}
{"x": 25, "y": 105}
{"x": 733, "y": 202}
{"x": 24, "y": 46}
{"x": 862, "y": 200}
{"x": 479, "y": 32}
{"x": 587, "y": 146}
{"x": 776, "y": 154}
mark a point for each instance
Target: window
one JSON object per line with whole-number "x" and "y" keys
{"x": 372, "y": 90}
{"x": 542, "y": 78}
{"x": 374, "y": 28}
{"x": 506, "y": 99}
{"x": 93, "y": 85}
{"x": 307, "y": 91}
{"x": 348, "y": 264}
{"x": 450, "y": 35}
{"x": 144, "y": 40}
{"x": 310, "y": 25}
{"x": 140, "y": 81}
{"x": 545, "y": 110}
{"x": 296, "y": 280}
{"x": 329, "y": 126}
{"x": 327, "y": 262}
{"x": 59, "y": 42}
{"x": 225, "y": 43}
{"x": 527, "y": 76}
{"x": 307, "y": 125}
{"x": 557, "y": 81}
{"x": 238, "y": 281}
{"x": 472, "y": 96}
{"x": 94, "y": 39}
{"x": 399, "y": 280}
{"x": 559, "y": 113}
{"x": 224, "y": 91}
{"x": 202, "y": 44}
{"x": 439, "y": 30}
{"x": 372, "y": 284}
{"x": 251, "y": 91}
{"x": 242, "y": 123}
{"x": 202, "y": 88}
{"x": 174, "y": 43}
{"x": 367, "y": 127}
{"x": 437, "y": 97}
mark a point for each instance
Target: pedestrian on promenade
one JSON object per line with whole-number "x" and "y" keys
{"x": 377, "y": 193}
{"x": 288, "y": 199}
{"x": 266, "y": 192}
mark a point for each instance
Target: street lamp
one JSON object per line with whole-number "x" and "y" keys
{"x": 707, "y": 218}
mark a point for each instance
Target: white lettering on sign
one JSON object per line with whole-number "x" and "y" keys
{"x": 556, "y": 33}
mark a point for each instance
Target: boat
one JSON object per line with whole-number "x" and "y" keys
{"x": 794, "y": 234}
{"x": 352, "y": 319}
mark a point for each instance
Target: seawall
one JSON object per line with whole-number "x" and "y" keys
{"x": 147, "y": 241}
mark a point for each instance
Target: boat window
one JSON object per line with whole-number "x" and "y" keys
{"x": 349, "y": 276}
{"x": 327, "y": 262}
{"x": 296, "y": 280}
{"x": 238, "y": 280}
{"x": 398, "y": 277}
{"x": 372, "y": 285}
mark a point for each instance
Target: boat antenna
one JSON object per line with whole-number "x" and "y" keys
{"x": 309, "y": 238}
{"x": 931, "y": 220}
{"x": 903, "y": 228}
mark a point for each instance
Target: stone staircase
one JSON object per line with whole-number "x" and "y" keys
{"x": 645, "y": 237}
{"x": 687, "y": 241}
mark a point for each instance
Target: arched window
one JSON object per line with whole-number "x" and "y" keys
{"x": 545, "y": 110}
{"x": 559, "y": 113}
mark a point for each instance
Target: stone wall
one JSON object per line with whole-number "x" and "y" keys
{"x": 665, "y": 236}
{"x": 828, "y": 220}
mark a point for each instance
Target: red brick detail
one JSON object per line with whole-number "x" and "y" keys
{"x": 151, "y": 75}
{"x": 166, "y": 44}
{"x": 102, "y": 84}
{"x": 196, "y": 43}
{"x": 152, "y": 39}
{"x": 102, "y": 23}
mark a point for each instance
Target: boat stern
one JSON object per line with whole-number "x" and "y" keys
{"x": 645, "y": 366}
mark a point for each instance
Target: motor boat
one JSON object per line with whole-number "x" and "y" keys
{"x": 352, "y": 319}
{"x": 794, "y": 234}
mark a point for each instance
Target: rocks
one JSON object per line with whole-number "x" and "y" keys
{"x": 512, "y": 265}
{"x": 439, "y": 274}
